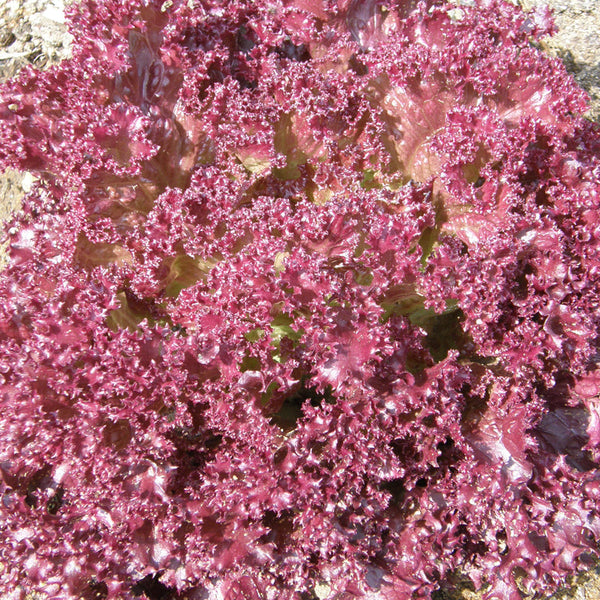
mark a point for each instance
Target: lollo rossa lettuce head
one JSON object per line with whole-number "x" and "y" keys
{"x": 304, "y": 304}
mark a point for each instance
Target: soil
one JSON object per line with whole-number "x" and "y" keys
{"x": 33, "y": 32}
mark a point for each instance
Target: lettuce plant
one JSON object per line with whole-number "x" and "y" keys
{"x": 304, "y": 303}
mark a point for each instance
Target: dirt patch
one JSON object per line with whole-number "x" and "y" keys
{"x": 32, "y": 32}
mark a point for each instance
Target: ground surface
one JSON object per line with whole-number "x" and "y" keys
{"x": 32, "y": 32}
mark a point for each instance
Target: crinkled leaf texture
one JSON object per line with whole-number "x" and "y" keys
{"x": 305, "y": 300}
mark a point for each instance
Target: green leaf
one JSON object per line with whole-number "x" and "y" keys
{"x": 254, "y": 335}
{"x": 185, "y": 271}
{"x": 281, "y": 327}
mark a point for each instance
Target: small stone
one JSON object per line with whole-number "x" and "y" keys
{"x": 6, "y": 38}
{"x": 322, "y": 590}
{"x": 27, "y": 181}
{"x": 54, "y": 13}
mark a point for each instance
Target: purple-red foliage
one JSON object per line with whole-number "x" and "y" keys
{"x": 306, "y": 298}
